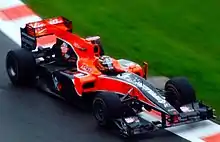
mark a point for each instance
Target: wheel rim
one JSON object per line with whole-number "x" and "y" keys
{"x": 12, "y": 68}
{"x": 99, "y": 107}
{"x": 11, "y": 71}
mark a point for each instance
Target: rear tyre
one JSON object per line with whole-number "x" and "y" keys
{"x": 179, "y": 92}
{"x": 107, "y": 106}
{"x": 21, "y": 67}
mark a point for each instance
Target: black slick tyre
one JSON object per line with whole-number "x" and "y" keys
{"x": 179, "y": 92}
{"x": 21, "y": 67}
{"x": 106, "y": 107}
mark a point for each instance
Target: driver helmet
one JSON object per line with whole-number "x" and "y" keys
{"x": 105, "y": 63}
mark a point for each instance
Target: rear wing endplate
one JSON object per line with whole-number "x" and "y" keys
{"x": 28, "y": 42}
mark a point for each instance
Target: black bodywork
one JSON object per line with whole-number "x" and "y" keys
{"x": 52, "y": 67}
{"x": 52, "y": 74}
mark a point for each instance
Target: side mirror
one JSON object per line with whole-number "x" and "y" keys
{"x": 145, "y": 68}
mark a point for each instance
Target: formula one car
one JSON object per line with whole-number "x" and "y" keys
{"x": 76, "y": 68}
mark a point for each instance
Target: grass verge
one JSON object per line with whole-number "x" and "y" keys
{"x": 177, "y": 38}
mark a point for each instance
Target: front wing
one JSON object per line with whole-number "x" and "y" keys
{"x": 138, "y": 124}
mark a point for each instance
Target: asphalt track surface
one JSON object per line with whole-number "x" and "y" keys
{"x": 27, "y": 115}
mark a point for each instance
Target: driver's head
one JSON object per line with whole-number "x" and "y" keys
{"x": 105, "y": 63}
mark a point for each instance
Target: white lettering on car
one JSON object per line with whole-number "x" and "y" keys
{"x": 37, "y": 25}
{"x": 54, "y": 21}
{"x": 86, "y": 68}
{"x": 136, "y": 81}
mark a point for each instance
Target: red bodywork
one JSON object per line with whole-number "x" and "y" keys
{"x": 87, "y": 72}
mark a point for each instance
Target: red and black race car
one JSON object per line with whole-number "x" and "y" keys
{"x": 76, "y": 68}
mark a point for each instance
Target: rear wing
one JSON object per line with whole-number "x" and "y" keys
{"x": 34, "y": 30}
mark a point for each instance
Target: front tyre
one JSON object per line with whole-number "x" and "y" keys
{"x": 106, "y": 107}
{"x": 179, "y": 92}
{"x": 21, "y": 67}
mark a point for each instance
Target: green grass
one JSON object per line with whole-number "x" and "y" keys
{"x": 177, "y": 38}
